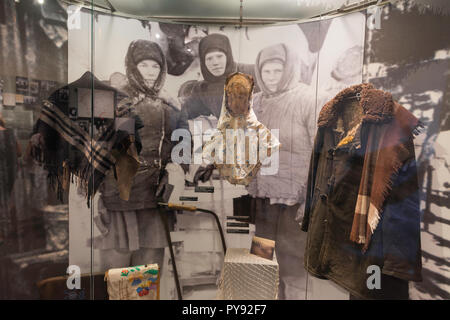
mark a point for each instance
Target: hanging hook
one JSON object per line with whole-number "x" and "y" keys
{"x": 241, "y": 10}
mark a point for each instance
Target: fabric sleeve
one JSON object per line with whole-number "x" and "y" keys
{"x": 187, "y": 143}
{"x": 193, "y": 106}
{"x": 401, "y": 226}
{"x": 309, "y": 115}
{"x": 138, "y": 124}
{"x": 310, "y": 186}
{"x": 182, "y": 119}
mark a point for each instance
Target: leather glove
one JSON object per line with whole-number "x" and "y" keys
{"x": 164, "y": 189}
{"x": 203, "y": 173}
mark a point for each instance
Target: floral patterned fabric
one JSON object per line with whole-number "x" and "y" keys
{"x": 133, "y": 283}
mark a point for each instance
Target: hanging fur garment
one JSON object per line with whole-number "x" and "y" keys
{"x": 241, "y": 143}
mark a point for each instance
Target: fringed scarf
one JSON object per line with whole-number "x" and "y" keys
{"x": 389, "y": 145}
{"x": 69, "y": 153}
{"x": 77, "y": 155}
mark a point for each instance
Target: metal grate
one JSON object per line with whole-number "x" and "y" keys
{"x": 248, "y": 277}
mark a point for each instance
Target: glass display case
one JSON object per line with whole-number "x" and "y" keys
{"x": 103, "y": 119}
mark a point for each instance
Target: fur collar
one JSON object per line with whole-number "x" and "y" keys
{"x": 377, "y": 105}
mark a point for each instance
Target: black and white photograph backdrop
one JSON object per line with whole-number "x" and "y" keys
{"x": 402, "y": 48}
{"x": 324, "y": 57}
{"x": 296, "y": 68}
{"x": 409, "y": 56}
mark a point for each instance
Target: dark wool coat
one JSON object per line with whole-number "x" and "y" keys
{"x": 8, "y": 172}
{"x": 8, "y": 165}
{"x": 332, "y": 190}
{"x": 207, "y": 95}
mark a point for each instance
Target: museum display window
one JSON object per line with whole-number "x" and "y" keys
{"x": 249, "y": 156}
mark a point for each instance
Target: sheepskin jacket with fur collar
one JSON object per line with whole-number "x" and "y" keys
{"x": 362, "y": 206}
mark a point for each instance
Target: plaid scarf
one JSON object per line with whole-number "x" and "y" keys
{"x": 389, "y": 145}
{"x": 69, "y": 151}
{"x": 388, "y": 148}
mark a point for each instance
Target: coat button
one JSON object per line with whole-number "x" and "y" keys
{"x": 323, "y": 197}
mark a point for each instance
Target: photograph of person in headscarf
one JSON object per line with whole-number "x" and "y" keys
{"x": 132, "y": 231}
{"x": 216, "y": 63}
{"x": 288, "y": 105}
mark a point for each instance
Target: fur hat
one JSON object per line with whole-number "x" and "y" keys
{"x": 216, "y": 42}
{"x": 138, "y": 51}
